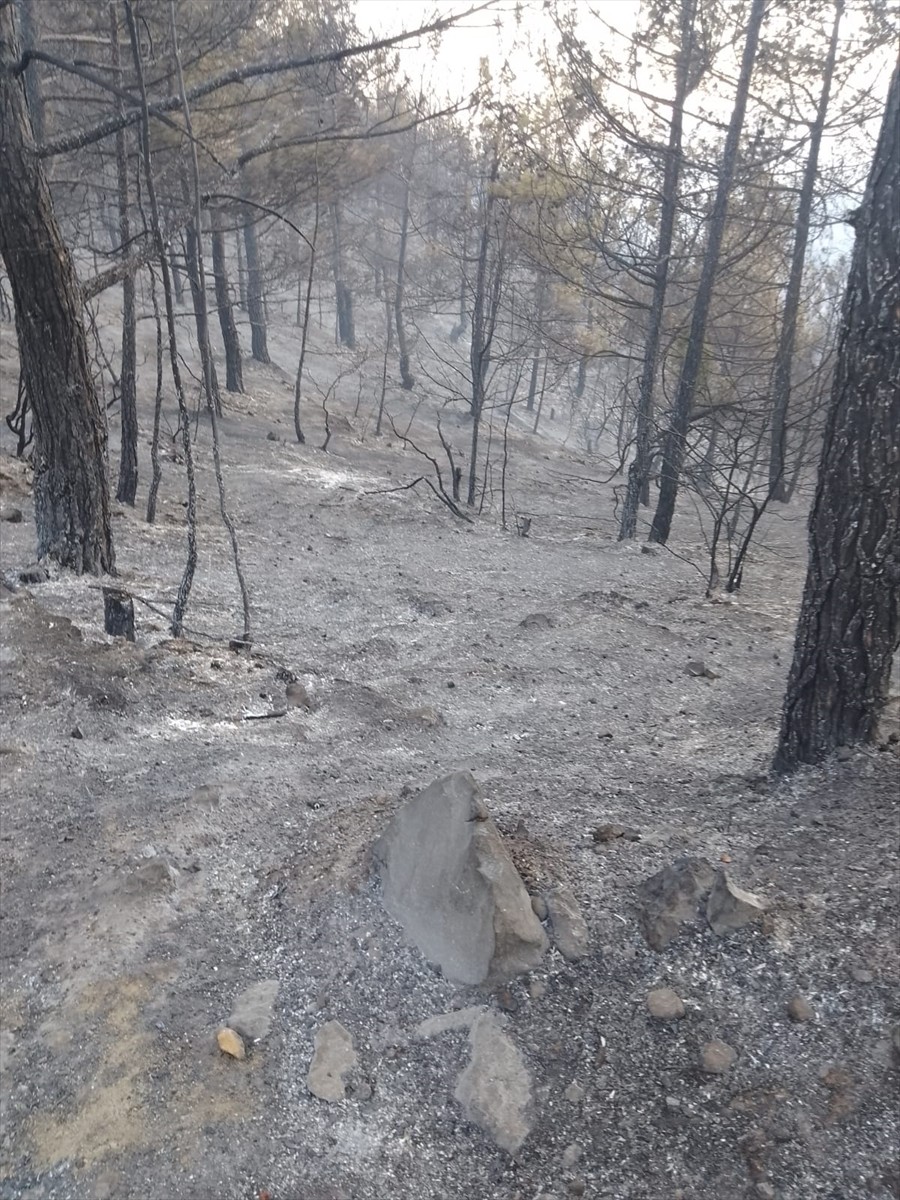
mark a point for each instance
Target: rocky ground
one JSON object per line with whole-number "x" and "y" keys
{"x": 177, "y": 858}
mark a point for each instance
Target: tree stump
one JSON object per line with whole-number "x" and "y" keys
{"x": 118, "y": 613}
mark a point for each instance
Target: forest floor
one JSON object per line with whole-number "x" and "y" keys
{"x": 160, "y": 852}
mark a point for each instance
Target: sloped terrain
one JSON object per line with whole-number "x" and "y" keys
{"x": 168, "y": 841}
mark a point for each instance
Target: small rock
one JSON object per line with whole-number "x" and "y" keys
{"x": 799, "y": 1009}
{"x": 843, "y": 754}
{"x": 577, "y": 1187}
{"x": 608, "y": 833}
{"x": 538, "y": 620}
{"x": 77, "y": 734}
{"x": 574, "y": 1093}
{"x": 765, "y": 1191}
{"x": 427, "y": 717}
{"x": 646, "y": 548}
{"x": 506, "y": 1001}
{"x": 730, "y": 907}
{"x": 13, "y": 515}
{"x": 334, "y": 1056}
{"x": 252, "y": 1012}
{"x": 664, "y": 1004}
{"x": 363, "y": 1090}
{"x": 537, "y": 990}
{"x": 699, "y": 669}
{"x": 495, "y": 1088}
{"x": 298, "y": 695}
{"x": 861, "y": 975}
{"x": 717, "y": 1057}
{"x": 462, "y": 1018}
{"x": 156, "y": 875}
{"x": 271, "y": 436}
{"x": 570, "y": 931}
{"x": 571, "y": 1155}
{"x": 539, "y": 907}
{"x": 670, "y": 899}
{"x": 231, "y": 1043}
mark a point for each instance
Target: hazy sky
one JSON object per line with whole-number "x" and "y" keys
{"x": 496, "y": 34}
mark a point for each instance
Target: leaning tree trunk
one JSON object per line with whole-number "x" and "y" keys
{"x": 255, "y": 307}
{"x": 676, "y": 435}
{"x": 71, "y": 490}
{"x": 784, "y": 355}
{"x": 637, "y": 487}
{"x": 849, "y": 626}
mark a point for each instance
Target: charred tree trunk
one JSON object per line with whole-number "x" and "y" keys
{"x": 849, "y": 626}
{"x": 637, "y": 490}
{"x": 34, "y": 90}
{"x": 234, "y": 375}
{"x": 346, "y": 334}
{"x": 196, "y": 275}
{"x": 255, "y": 307}
{"x": 784, "y": 355}
{"x": 71, "y": 490}
{"x": 674, "y": 442}
{"x": 128, "y": 453}
{"x": 407, "y": 381}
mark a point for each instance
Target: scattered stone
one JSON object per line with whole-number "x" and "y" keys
{"x": 730, "y": 907}
{"x": 537, "y": 990}
{"x": 156, "y": 875}
{"x": 334, "y": 1056}
{"x": 843, "y": 754}
{"x": 427, "y": 716}
{"x": 363, "y": 1090}
{"x": 717, "y": 1057}
{"x": 570, "y": 932}
{"x": 449, "y": 881}
{"x": 646, "y": 548}
{"x": 538, "y": 620}
{"x": 34, "y": 574}
{"x": 664, "y": 1004}
{"x": 670, "y": 899}
{"x": 571, "y": 1155}
{"x": 272, "y": 436}
{"x": 577, "y": 1187}
{"x": 231, "y": 1043}
{"x": 574, "y": 1093}
{"x": 252, "y": 1013}
{"x": 799, "y": 1009}
{"x": 444, "y": 1022}
{"x": 698, "y": 668}
{"x": 608, "y": 833}
{"x": 506, "y": 1001}
{"x": 765, "y": 1191}
{"x": 495, "y": 1088}
{"x": 539, "y": 908}
{"x": 13, "y": 515}
{"x": 861, "y": 975}
{"x": 298, "y": 695}
{"x": 76, "y": 733}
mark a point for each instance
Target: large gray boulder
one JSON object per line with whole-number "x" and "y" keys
{"x": 449, "y": 881}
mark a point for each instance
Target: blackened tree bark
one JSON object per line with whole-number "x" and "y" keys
{"x": 234, "y": 376}
{"x": 71, "y": 490}
{"x": 784, "y": 355}
{"x": 34, "y": 90}
{"x": 486, "y": 302}
{"x": 342, "y": 293}
{"x": 407, "y": 380}
{"x": 128, "y": 452}
{"x": 639, "y": 471}
{"x": 197, "y": 278}
{"x": 676, "y": 434}
{"x": 849, "y": 626}
{"x": 255, "y": 307}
